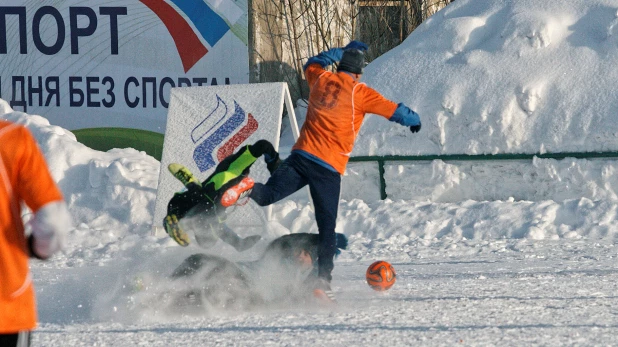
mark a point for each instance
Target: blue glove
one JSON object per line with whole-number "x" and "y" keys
{"x": 406, "y": 117}
{"x": 325, "y": 58}
{"x": 361, "y": 46}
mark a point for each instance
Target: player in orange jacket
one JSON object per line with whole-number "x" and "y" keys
{"x": 24, "y": 178}
{"x": 338, "y": 103}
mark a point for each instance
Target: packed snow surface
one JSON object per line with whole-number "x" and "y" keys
{"x": 487, "y": 252}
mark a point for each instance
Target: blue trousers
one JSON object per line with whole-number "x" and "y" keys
{"x": 293, "y": 174}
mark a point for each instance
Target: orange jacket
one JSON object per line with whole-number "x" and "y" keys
{"x": 337, "y": 107}
{"x": 24, "y": 177}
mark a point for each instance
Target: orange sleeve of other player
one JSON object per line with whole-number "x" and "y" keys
{"x": 36, "y": 186}
{"x": 374, "y": 102}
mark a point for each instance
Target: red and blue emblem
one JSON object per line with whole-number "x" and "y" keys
{"x": 218, "y": 135}
{"x": 210, "y": 26}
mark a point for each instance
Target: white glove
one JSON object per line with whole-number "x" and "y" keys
{"x": 49, "y": 228}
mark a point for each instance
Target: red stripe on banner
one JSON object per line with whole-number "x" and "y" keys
{"x": 189, "y": 46}
{"x": 238, "y": 138}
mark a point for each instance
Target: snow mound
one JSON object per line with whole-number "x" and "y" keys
{"x": 493, "y": 77}
{"x": 110, "y": 195}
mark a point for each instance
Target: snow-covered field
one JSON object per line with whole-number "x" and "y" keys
{"x": 502, "y": 293}
{"x": 487, "y": 253}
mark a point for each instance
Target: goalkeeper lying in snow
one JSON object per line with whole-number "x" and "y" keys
{"x": 277, "y": 278}
{"x": 205, "y": 202}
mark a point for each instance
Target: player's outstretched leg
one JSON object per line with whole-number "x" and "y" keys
{"x": 237, "y": 192}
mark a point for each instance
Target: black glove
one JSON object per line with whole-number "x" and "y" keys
{"x": 415, "y": 128}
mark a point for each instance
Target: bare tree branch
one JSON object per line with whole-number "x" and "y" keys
{"x": 287, "y": 32}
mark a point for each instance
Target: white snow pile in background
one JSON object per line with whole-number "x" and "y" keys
{"x": 488, "y": 76}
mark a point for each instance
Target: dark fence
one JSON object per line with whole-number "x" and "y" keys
{"x": 476, "y": 157}
{"x": 104, "y": 139}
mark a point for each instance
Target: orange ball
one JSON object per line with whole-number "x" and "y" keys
{"x": 381, "y": 275}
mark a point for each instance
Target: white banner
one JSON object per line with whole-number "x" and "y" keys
{"x": 207, "y": 124}
{"x": 86, "y": 63}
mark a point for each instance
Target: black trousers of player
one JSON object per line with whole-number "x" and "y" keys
{"x": 324, "y": 185}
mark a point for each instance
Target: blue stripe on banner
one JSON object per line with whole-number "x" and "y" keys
{"x": 203, "y": 154}
{"x": 208, "y": 23}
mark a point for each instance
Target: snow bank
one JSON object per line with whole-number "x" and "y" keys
{"x": 503, "y": 77}
{"x": 110, "y": 195}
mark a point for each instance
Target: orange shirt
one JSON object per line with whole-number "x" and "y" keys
{"x": 24, "y": 177}
{"x": 337, "y": 107}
